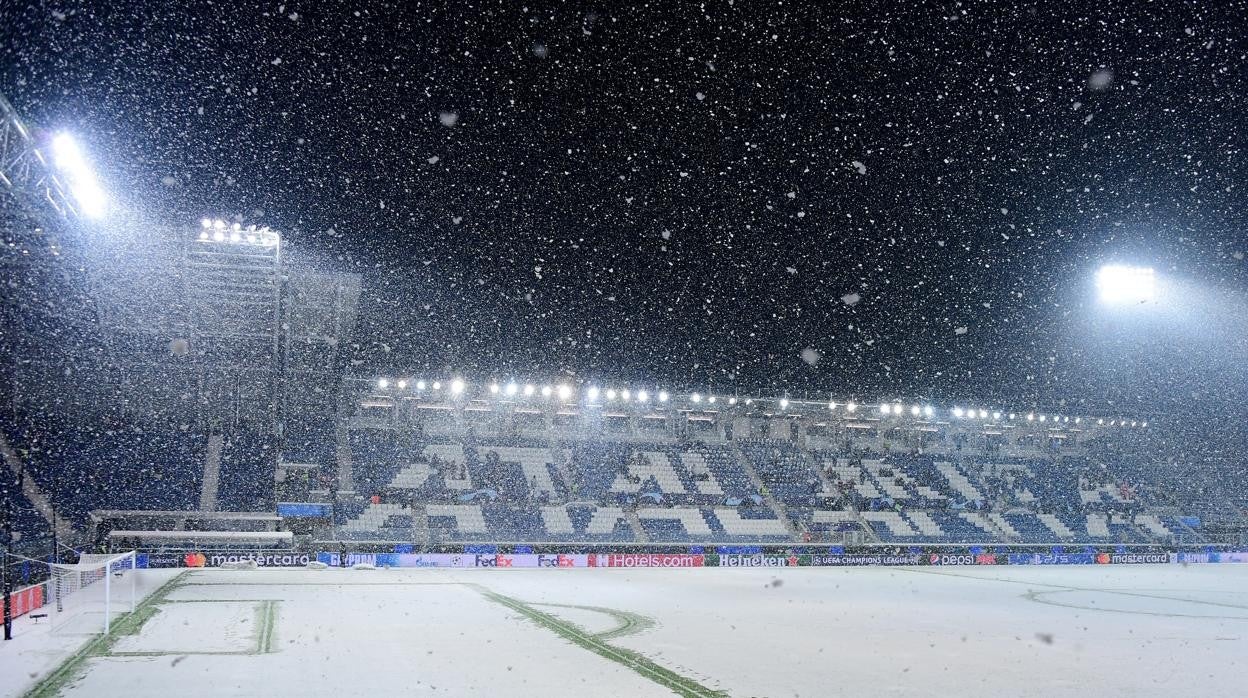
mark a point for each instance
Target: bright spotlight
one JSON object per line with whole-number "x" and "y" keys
{"x": 695, "y": 398}
{"x": 420, "y": 385}
{"x": 610, "y": 393}
{"x": 625, "y": 395}
{"x": 885, "y": 408}
{"x": 732, "y": 401}
{"x": 851, "y": 407}
{"x": 643, "y": 396}
{"x": 402, "y": 384}
{"x": 457, "y": 386}
{"x": 784, "y": 403}
{"x": 437, "y": 385}
{"x": 1031, "y": 417}
{"x": 915, "y": 410}
{"x": 957, "y": 412}
{"x": 1042, "y": 418}
{"x": 996, "y": 415}
{"x": 512, "y": 389}
{"x": 983, "y": 414}
{"x": 493, "y": 388}
{"x": 1122, "y": 285}
{"x": 206, "y": 222}
{"x": 218, "y": 236}
{"x": 591, "y": 394}
{"x": 564, "y": 392}
{"x": 528, "y": 389}
{"x": 547, "y": 390}
{"x": 711, "y": 399}
{"x": 383, "y": 383}
{"x": 928, "y": 411}
{"x": 78, "y": 175}
{"x": 663, "y": 396}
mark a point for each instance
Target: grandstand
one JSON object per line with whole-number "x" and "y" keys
{"x": 436, "y": 468}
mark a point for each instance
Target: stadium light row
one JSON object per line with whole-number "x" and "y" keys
{"x": 217, "y": 230}
{"x": 596, "y": 395}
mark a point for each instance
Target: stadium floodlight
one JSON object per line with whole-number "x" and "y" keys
{"x": 203, "y": 235}
{"x": 885, "y": 408}
{"x": 528, "y": 389}
{"x": 625, "y": 395}
{"x": 78, "y": 176}
{"x": 663, "y": 396}
{"x": 218, "y": 236}
{"x": 1121, "y": 285}
{"x": 996, "y": 415}
{"x": 383, "y": 383}
{"x": 851, "y": 407}
{"x": 457, "y": 386}
{"x": 564, "y": 392}
{"x": 983, "y": 414}
{"x": 784, "y": 403}
{"x": 512, "y": 389}
{"x": 915, "y": 411}
{"x": 928, "y": 411}
{"x": 610, "y": 393}
{"x": 1042, "y": 418}
{"x": 711, "y": 399}
{"x": 402, "y": 384}
{"x": 218, "y": 224}
{"x": 1144, "y": 424}
{"x": 957, "y": 412}
{"x": 643, "y": 396}
{"x": 1078, "y": 419}
{"x": 547, "y": 390}
{"x": 437, "y": 385}
{"x": 695, "y": 398}
{"x": 420, "y": 385}
{"x": 1031, "y": 417}
{"x": 1011, "y": 415}
{"x": 591, "y": 393}
{"x": 493, "y": 388}
{"x": 205, "y": 222}
{"x": 732, "y": 401}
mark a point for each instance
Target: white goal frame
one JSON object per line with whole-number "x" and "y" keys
{"x": 95, "y": 585}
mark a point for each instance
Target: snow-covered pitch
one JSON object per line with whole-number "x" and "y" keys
{"x": 965, "y": 631}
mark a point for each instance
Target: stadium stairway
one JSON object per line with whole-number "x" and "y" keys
{"x": 782, "y": 512}
{"x": 635, "y": 521}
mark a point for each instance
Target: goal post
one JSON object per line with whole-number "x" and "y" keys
{"x": 84, "y": 598}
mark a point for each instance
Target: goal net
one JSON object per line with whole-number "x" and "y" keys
{"x": 85, "y": 598}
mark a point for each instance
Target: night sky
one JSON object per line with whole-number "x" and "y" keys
{"x": 695, "y": 193}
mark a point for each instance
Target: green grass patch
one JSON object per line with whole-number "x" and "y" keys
{"x": 644, "y": 666}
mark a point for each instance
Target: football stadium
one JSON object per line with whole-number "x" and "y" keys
{"x": 242, "y": 457}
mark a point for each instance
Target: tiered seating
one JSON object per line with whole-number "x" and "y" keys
{"x": 752, "y": 524}
{"x": 1028, "y": 528}
{"x": 958, "y": 529}
{"x": 378, "y": 455}
{"x": 722, "y": 464}
{"x": 890, "y": 525}
{"x": 680, "y": 524}
{"x": 246, "y": 476}
{"x": 100, "y": 468}
{"x": 782, "y": 468}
